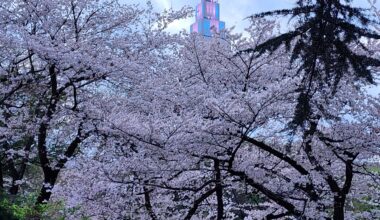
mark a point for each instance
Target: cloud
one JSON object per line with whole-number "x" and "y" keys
{"x": 165, "y": 4}
{"x": 232, "y": 12}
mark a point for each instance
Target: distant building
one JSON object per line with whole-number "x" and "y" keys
{"x": 207, "y": 18}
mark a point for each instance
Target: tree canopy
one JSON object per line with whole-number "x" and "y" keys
{"x": 105, "y": 115}
{"x": 328, "y": 41}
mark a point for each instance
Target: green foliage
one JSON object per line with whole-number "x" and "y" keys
{"x": 5, "y": 214}
{"x": 20, "y": 207}
{"x": 364, "y": 206}
{"x": 375, "y": 170}
{"x": 23, "y": 208}
{"x": 256, "y": 199}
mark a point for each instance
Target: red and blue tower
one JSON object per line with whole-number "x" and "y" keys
{"x": 207, "y": 15}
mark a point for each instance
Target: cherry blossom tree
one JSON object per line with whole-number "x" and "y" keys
{"x": 57, "y": 59}
{"x": 212, "y": 125}
{"x": 179, "y": 126}
{"x": 206, "y": 136}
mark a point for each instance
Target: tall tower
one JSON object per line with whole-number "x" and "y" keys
{"x": 207, "y": 18}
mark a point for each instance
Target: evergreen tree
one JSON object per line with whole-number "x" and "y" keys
{"x": 327, "y": 40}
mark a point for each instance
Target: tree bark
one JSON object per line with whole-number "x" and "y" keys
{"x": 148, "y": 204}
{"x": 51, "y": 173}
{"x": 197, "y": 203}
{"x": 340, "y": 199}
{"x": 278, "y": 154}
{"x": 219, "y": 190}
{"x": 50, "y": 178}
{"x": 339, "y": 202}
{"x": 13, "y": 190}
{"x": 18, "y": 175}
{"x": 275, "y": 197}
{"x": 340, "y": 193}
{"x": 1, "y": 177}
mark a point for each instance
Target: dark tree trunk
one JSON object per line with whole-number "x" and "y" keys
{"x": 18, "y": 175}
{"x": 15, "y": 177}
{"x": 49, "y": 182}
{"x": 275, "y": 197}
{"x": 148, "y": 204}
{"x": 1, "y": 177}
{"x": 339, "y": 202}
{"x": 197, "y": 203}
{"x": 14, "y": 189}
{"x": 51, "y": 173}
{"x": 340, "y": 198}
{"x": 219, "y": 190}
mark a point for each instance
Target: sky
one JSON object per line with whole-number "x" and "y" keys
{"x": 233, "y": 12}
